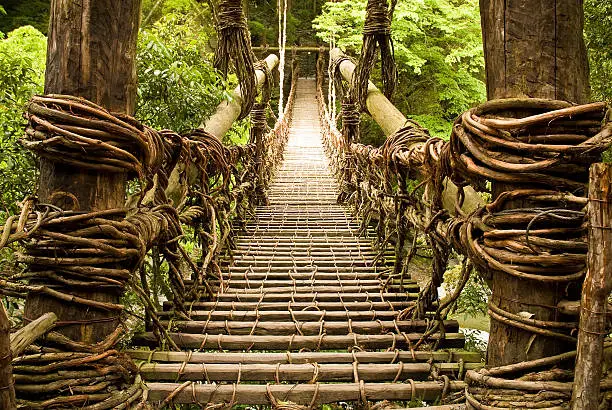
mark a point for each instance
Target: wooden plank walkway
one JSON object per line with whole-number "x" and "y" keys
{"x": 303, "y": 313}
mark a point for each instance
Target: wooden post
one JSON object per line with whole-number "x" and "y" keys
{"x": 91, "y": 54}
{"x": 532, "y": 48}
{"x": 390, "y": 119}
{"x": 595, "y": 291}
{"x": 7, "y": 391}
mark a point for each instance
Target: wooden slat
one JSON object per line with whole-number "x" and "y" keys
{"x": 285, "y": 315}
{"x": 320, "y": 297}
{"x": 296, "y": 372}
{"x": 345, "y": 327}
{"x": 299, "y": 393}
{"x": 310, "y": 305}
{"x": 307, "y": 357}
{"x": 297, "y": 342}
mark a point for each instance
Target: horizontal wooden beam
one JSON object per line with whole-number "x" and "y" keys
{"x": 255, "y": 288}
{"x": 300, "y": 275}
{"x": 306, "y": 357}
{"x": 265, "y": 315}
{"x": 191, "y": 393}
{"x": 306, "y": 372}
{"x": 310, "y": 305}
{"x": 322, "y": 297}
{"x": 263, "y": 328}
{"x": 299, "y": 49}
{"x": 297, "y": 342}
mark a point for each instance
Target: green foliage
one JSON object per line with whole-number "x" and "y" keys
{"x": 17, "y": 13}
{"x": 154, "y": 10}
{"x": 263, "y": 22}
{"x": 598, "y": 36}
{"x": 178, "y": 86}
{"x": 438, "y": 49}
{"x": 475, "y": 294}
{"x": 22, "y": 67}
{"x": 474, "y": 341}
{"x": 437, "y": 126}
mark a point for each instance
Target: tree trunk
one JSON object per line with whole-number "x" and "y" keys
{"x": 532, "y": 49}
{"x": 595, "y": 292}
{"x": 7, "y": 391}
{"x": 91, "y": 54}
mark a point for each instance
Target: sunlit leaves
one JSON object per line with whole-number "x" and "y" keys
{"x": 178, "y": 87}
{"x": 598, "y": 35}
{"x": 438, "y": 48}
{"x": 22, "y": 68}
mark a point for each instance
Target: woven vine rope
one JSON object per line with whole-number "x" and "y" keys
{"x": 542, "y": 158}
{"x": 376, "y": 36}
{"x": 234, "y": 48}
{"x": 71, "y": 252}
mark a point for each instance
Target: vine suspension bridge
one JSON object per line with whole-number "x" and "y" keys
{"x": 301, "y": 292}
{"x": 303, "y": 283}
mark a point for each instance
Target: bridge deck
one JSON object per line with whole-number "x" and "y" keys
{"x": 303, "y": 312}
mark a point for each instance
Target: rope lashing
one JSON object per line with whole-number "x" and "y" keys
{"x": 351, "y": 118}
{"x": 234, "y": 47}
{"x": 79, "y": 133}
{"x": 259, "y": 122}
{"x": 282, "y": 43}
{"x": 70, "y": 253}
{"x": 376, "y": 35}
{"x": 106, "y": 377}
{"x": 546, "y": 150}
{"x": 542, "y": 382}
{"x": 542, "y": 157}
{"x": 288, "y": 405}
{"x": 259, "y": 128}
{"x": 548, "y": 147}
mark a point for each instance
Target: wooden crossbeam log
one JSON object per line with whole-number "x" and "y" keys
{"x": 299, "y": 393}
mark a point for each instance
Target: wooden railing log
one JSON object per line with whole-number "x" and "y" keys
{"x": 218, "y": 124}
{"x": 390, "y": 119}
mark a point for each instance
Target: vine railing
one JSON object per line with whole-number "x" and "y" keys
{"x": 536, "y": 228}
{"x": 68, "y": 253}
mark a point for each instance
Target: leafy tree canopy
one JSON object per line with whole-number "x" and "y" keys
{"x": 598, "y": 35}
{"x": 22, "y": 69}
{"x": 19, "y": 13}
{"x": 178, "y": 87}
{"x": 438, "y": 48}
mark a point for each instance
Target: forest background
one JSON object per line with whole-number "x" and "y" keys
{"x": 438, "y": 49}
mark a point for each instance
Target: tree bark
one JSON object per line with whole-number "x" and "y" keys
{"x": 532, "y": 49}
{"x": 595, "y": 292}
{"x": 91, "y": 54}
{"x": 7, "y": 391}
{"x": 535, "y": 48}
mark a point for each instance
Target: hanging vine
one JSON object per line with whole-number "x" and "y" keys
{"x": 376, "y": 36}
{"x": 234, "y": 48}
